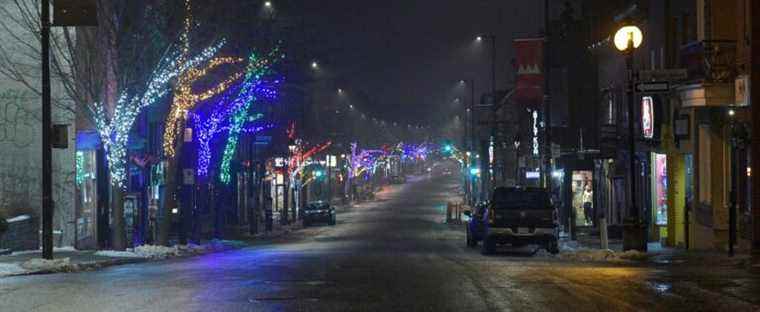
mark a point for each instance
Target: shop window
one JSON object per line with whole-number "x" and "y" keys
{"x": 660, "y": 188}
{"x": 583, "y": 197}
{"x": 86, "y": 186}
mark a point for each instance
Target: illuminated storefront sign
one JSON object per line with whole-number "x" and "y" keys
{"x": 535, "y": 132}
{"x": 647, "y": 117}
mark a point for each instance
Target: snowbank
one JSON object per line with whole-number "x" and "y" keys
{"x": 161, "y": 252}
{"x": 55, "y": 265}
{"x": 156, "y": 252}
{"x": 603, "y": 255}
{"x": 19, "y": 218}
{"x": 117, "y": 254}
{"x": 10, "y": 269}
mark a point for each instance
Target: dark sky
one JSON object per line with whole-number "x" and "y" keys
{"x": 408, "y": 54}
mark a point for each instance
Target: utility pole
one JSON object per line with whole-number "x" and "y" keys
{"x": 755, "y": 98}
{"x": 47, "y": 151}
{"x": 547, "y": 102}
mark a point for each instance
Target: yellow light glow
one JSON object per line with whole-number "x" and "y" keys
{"x": 184, "y": 98}
{"x": 624, "y": 34}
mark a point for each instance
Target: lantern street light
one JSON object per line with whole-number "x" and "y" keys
{"x": 627, "y": 39}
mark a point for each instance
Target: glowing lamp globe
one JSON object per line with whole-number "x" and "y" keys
{"x": 624, "y": 34}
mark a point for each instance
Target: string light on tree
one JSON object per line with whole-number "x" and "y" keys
{"x": 259, "y": 68}
{"x": 184, "y": 97}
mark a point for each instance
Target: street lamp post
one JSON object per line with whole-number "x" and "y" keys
{"x": 627, "y": 39}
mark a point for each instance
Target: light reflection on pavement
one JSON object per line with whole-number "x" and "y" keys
{"x": 394, "y": 254}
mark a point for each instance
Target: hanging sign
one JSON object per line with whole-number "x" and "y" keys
{"x": 647, "y": 117}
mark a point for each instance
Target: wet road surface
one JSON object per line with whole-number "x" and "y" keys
{"x": 395, "y": 254}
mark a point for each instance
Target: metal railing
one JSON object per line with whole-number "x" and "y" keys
{"x": 710, "y": 60}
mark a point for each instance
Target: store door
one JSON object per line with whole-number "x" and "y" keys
{"x": 583, "y": 198}
{"x": 659, "y": 188}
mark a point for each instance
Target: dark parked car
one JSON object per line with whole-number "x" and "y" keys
{"x": 515, "y": 216}
{"x": 318, "y": 212}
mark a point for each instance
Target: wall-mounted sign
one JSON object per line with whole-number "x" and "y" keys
{"x": 532, "y": 174}
{"x": 681, "y": 126}
{"x": 535, "y": 133}
{"x": 741, "y": 90}
{"x": 647, "y": 117}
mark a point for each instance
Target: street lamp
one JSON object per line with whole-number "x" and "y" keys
{"x": 492, "y": 38}
{"x": 268, "y": 4}
{"x": 314, "y": 65}
{"x": 627, "y": 39}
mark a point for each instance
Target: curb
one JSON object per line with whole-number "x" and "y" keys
{"x": 96, "y": 265}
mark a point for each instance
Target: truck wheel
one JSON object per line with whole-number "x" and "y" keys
{"x": 488, "y": 247}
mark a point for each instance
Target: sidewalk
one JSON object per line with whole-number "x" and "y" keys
{"x": 68, "y": 259}
{"x": 589, "y": 248}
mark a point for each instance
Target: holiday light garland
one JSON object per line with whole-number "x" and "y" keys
{"x": 258, "y": 68}
{"x": 114, "y": 128}
{"x": 207, "y": 129}
{"x": 184, "y": 97}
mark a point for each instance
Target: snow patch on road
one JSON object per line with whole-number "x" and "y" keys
{"x": 598, "y": 255}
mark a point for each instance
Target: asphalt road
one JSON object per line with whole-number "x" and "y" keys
{"x": 395, "y": 254}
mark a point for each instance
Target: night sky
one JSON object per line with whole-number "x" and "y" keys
{"x": 408, "y": 55}
{"x": 405, "y": 57}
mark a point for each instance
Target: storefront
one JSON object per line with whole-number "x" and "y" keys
{"x": 86, "y": 199}
{"x": 86, "y": 179}
{"x": 582, "y": 197}
{"x": 576, "y": 201}
{"x": 659, "y": 198}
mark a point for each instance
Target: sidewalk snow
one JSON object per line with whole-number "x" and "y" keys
{"x": 10, "y": 269}
{"x": 55, "y": 250}
{"x": 603, "y": 255}
{"x": 72, "y": 260}
{"x": 55, "y": 265}
{"x": 162, "y": 252}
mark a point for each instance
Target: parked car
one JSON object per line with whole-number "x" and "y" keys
{"x": 318, "y": 212}
{"x": 517, "y": 217}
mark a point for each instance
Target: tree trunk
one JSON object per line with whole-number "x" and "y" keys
{"x": 118, "y": 233}
{"x": 169, "y": 202}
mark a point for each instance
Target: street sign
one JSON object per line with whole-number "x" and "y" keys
{"x": 653, "y": 87}
{"x": 663, "y": 75}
